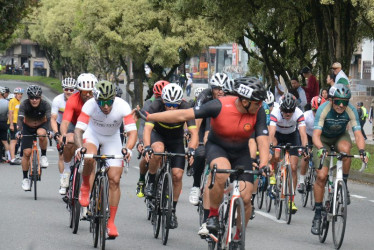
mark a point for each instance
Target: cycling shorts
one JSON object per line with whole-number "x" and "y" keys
{"x": 292, "y": 138}
{"x": 235, "y": 157}
{"x": 110, "y": 145}
{"x": 3, "y": 131}
{"x": 172, "y": 145}
{"x": 26, "y": 130}
{"x": 13, "y": 133}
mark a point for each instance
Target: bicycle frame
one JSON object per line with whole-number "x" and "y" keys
{"x": 232, "y": 193}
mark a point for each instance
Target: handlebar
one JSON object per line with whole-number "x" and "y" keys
{"x": 92, "y": 156}
{"x": 35, "y": 135}
{"x": 168, "y": 154}
{"x": 340, "y": 156}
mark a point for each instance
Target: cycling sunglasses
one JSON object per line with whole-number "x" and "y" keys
{"x": 341, "y": 101}
{"x": 102, "y": 103}
{"x": 288, "y": 111}
{"x": 172, "y": 105}
{"x": 34, "y": 97}
{"x": 68, "y": 90}
{"x": 217, "y": 88}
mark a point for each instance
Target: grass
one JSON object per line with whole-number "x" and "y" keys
{"x": 54, "y": 83}
{"x": 356, "y": 163}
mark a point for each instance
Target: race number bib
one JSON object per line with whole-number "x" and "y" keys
{"x": 245, "y": 91}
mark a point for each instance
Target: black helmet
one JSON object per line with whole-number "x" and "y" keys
{"x": 119, "y": 92}
{"x": 288, "y": 103}
{"x": 6, "y": 89}
{"x": 250, "y": 88}
{"x": 34, "y": 91}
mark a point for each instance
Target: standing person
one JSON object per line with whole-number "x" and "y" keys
{"x": 58, "y": 109}
{"x": 338, "y": 72}
{"x": 182, "y": 80}
{"x": 13, "y": 108}
{"x": 6, "y": 92}
{"x": 189, "y": 84}
{"x": 362, "y": 114}
{"x": 279, "y": 90}
{"x": 312, "y": 87}
{"x": 330, "y": 79}
{"x": 3, "y": 124}
{"x": 301, "y": 100}
{"x": 33, "y": 118}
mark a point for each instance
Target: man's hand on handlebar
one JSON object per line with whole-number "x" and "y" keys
{"x": 147, "y": 153}
{"x": 79, "y": 152}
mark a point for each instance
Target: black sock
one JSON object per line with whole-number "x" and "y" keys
{"x": 206, "y": 214}
{"x": 345, "y": 179}
{"x": 253, "y": 198}
{"x": 175, "y": 205}
{"x": 318, "y": 208}
{"x": 25, "y": 174}
{"x": 151, "y": 178}
{"x": 44, "y": 152}
{"x": 142, "y": 177}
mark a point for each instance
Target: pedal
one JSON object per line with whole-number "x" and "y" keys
{"x": 65, "y": 199}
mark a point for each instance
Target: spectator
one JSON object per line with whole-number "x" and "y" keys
{"x": 4, "y": 125}
{"x": 330, "y": 79}
{"x": 301, "y": 101}
{"x": 338, "y": 72}
{"x": 279, "y": 90}
{"x": 189, "y": 84}
{"x": 312, "y": 87}
{"x": 362, "y": 114}
{"x": 182, "y": 80}
{"x": 324, "y": 93}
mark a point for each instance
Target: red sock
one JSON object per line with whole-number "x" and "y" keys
{"x": 293, "y": 198}
{"x": 236, "y": 237}
{"x": 213, "y": 212}
{"x": 86, "y": 180}
{"x": 113, "y": 211}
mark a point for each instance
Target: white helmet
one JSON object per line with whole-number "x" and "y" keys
{"x": 172, "y": 93}
{"x": 68, "y": 83}
{"x": 269, "y": 97}
{"x": 218, "y": 80}
{"x": 198, "y": 91}
{"x": 228, "y": 87}
{"x": 86, "y": 81}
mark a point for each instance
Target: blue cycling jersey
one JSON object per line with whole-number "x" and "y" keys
{"x": 333, "y": 124}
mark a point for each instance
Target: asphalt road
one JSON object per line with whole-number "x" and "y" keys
{"x": 43, "y": 224}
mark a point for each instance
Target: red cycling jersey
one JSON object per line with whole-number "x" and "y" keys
{"x": 73, "y": 108}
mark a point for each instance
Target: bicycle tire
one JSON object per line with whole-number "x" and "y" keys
{"x": 238, "y": 216}
{"x": 312, "y": 181}
{"x": 260, "y": 192}
{"x": 222, "y": 221}
{"x": 104, "y": 210}
{"x": 69, "y": 204}
{"x": 35, "y": 173}
{"x": 211, "y": 245}
{"x": 325, "y": 223}
{"x": 268, "y": 198}
{"x": 278, "y": 191}
{"x": 148, "y": 207}
{"x": 94, "y": 223}
{"x": 166, "y": 206}
{"x": 340, "y": 214}
{"x": 288, "y": 195}
{"x": 305, "y": 194}
{"x": 76, "y": 206}
{"x": 156, "y": 220}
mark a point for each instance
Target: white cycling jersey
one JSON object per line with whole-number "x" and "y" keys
{"x": 286, "y": 126}
{"x": 92, "y": 117}
{"x": 58, "y": 107}
{"x": 309, "y": 122}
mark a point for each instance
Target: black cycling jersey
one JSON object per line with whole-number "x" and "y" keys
{"x": 205, "y": 96}
{"x": 168, "y": 129}
{"x": 33, "y": 117}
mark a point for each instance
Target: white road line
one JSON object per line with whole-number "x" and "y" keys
{"x": 50, "y": 150}
{"x": 371, "y": 201}
{"x": 271, "y": 217}
{"x": 135, "y": 167}
{"x": 358, "y": 196}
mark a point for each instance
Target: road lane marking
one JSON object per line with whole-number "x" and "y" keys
{"x": 271, "y": 217}
{"x": 136, "y": 167}
{"x": 358, "y": 196}
{"x": 371, "y": 201}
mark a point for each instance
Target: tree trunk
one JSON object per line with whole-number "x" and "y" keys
{"x": 139, "y": 75}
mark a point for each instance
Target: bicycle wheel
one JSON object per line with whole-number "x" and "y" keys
{"x": 238, "y": 225}
{"x": 268, "y": 196}
{"x": 104, "y": 210}
{"x": 166, "y": 206}
{"x": 288, "y": 195}
{"x": 35, "y": 173}
{"x": 148, "y": 207}
{"x": 69, "y": 203}
{"x": 156, "y": 213}
{"x": 311, "y": 189}
{"x": 222, "y": 221}
{"x": 94, "y": 213}
{"x": 325, "y": 223}
{"x": 340, "y": 218}
{"x": 261, "y": 187}
{"x": 305, "y": 194}
{"x": 277, "y": 193}
{"x": 76, "y": 206}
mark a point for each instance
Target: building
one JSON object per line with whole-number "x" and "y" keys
{"x": 25, "y": 57}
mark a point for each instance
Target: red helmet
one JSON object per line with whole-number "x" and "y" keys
{"x": 317, "y": 101}
{"x": 158, "y": 86}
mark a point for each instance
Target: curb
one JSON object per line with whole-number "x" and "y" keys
{"x": 361, "y": 177}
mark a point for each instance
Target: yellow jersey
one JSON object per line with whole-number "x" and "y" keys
{"x": 14, "y": 106}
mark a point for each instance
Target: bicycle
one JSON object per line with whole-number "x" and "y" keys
{"x": 309, "y": 181}
{"x": 35, "y": 168}
{"x": 99, "y": 206}
{"x": 203, "y": 182}
{"x": 161, "y": 204}
{"x": 335, "y": 199}
{"x": 283, "y": 189}
{"x": 231, "y": 211}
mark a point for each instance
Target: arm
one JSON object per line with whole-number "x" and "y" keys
{"x": 147, "y": 134}
{"x": 172, "y": 116}
{"x": 194, "y": 142}
{"x": 10, "y": 118}
{"x": 132, "y": 136}
{"x": 278, "y": 88}
{"x": 360, "y": 141}
{"x": 252, "y": 147}
{"x": 78, "y": 137}
{"x": 54, "y": 123}
{"x": 263, "y": 148}
{"x": 303, "y": 99}
{"x": 304, "y": 137}
{"x": 317, "y": 138}
{"x": 272, "y": 130}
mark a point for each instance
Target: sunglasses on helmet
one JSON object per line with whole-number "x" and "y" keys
{"x": 102, "y": 103}
{"x": 172, "y": 105}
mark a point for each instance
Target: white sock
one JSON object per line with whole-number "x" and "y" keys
{"x": 302, "y": 178}
{"x": 8, "y": 154}
{"x": 67, "y": 167}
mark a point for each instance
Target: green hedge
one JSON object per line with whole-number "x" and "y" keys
{"x": 54, "y": 83}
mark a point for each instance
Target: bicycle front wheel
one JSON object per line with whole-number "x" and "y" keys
{"x": 238, "y": 225}
{"x": 278, "y": 193}
{"x": 268, "y": 196}
{"x": 305, "y": 193}
{"x": 166, "y": 206}
{"x": 94, "y": 213}
{"x": 339, "y": 220}
{"x": 35, "y": 172}
{"x": 104, "y": 210}
{"x": 156, "y": 213}
{"x": 325, "y": 223}
{"x": 261, "y": 187}
{"x": 76, "y": 206}
{"x": 288, "y": 195}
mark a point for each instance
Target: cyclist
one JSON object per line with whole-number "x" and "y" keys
{"x": 13, "y": 108}
{"x": 33, "y": 118}
{"x": 157, "y": 136}
{"x": 3, "y": 124}
{"x": 330, "y": 125}
{"x": 309, "y": 123}
{"x": 6, "y": 92}
{"x": 58, "y": 108}
{"x": 228, "y": 87}
{"x": 98, "y": 125}
{"x": 233, "y": 120}
{"x": 284, "y": 122}
{"x": 157, "y": 92}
